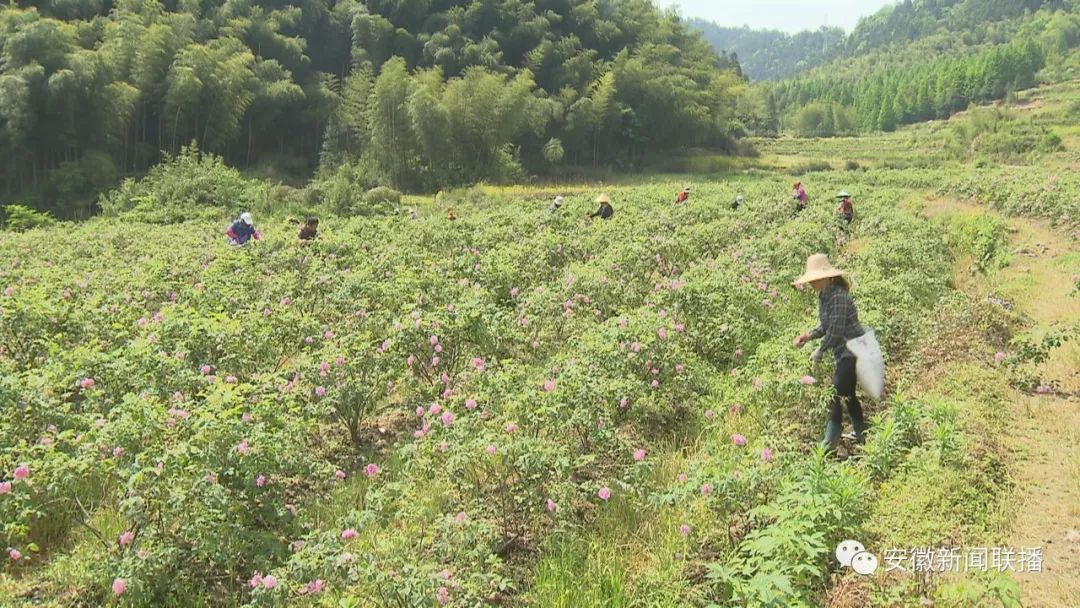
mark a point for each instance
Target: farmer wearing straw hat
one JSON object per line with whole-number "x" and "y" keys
{"x": 605, "y": 211}
{"x": 242, "y": 230}
{"x": 839, "y": 323}
{"x": 846, "y": 209}
{"x": 683, "y": 196}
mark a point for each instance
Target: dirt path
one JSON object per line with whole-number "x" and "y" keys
{"x": 1046, "y": 441}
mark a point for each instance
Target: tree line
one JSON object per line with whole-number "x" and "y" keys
{"x": 931, "y": 77}
{"x": 417, "y": 94}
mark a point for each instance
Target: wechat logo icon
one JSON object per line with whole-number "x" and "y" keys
{"x": 852, "y": 554}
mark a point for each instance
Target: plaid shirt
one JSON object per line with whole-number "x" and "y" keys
{"x": 839, "y": 321}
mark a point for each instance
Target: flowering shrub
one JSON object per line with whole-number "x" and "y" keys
{"x": 405, "y": 412}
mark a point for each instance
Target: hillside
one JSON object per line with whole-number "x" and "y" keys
{"x": 417, "y": 94}
{"x": 773, "y": 55}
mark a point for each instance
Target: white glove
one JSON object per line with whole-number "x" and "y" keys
{"x": 815, "y": 357}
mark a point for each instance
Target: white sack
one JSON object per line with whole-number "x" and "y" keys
{"x": 869, "y": 364}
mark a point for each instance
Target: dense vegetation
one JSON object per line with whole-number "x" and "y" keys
{"x": 952, "y": 65}
{"x": 771, "y": 54}
{"x": 418, "y": 94}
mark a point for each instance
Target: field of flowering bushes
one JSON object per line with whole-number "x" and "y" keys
{"x": 510, "y": 409}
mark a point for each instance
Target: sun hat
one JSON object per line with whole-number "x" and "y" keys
{"x": 246, "y": 218}
{"x": 843, "y": 194}
{"x": 739, "y": 198}
{"x": 818, "y": 267}
{"x": 686, "y": 189}
{"x": 559, "y": 200}
{"x": 603, "y": 198}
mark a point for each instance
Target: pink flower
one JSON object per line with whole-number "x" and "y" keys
{"x": 126, "y": 538}
{"x": 320, "y": 391}
{"x": 738, "y": 352}
{"x": 639, "y": 455}
{"x": 87, "y": 383}
{"x": 681, "y": 478}
{"x": 324, "y": 369}
{"x": 260, "y": 480}
{"x": 435, "y": 409}
{"x": 371, "y": 470}
{"x": 684, "y": 530}
{"x": 269, "y": 581}
{"x": 211, "y": 478}
{"x": 14, "y": 555}
{"x": 679, "y": 327}
{"x": 999, "y": 356}
{"x": 329, "y": 335}
{"x": 435, "y": 361}
{"x": 623, "y": 403}
{"x": 349, "y": 533}
{"x": 444, "y": 378}
{"x": 447, "y": 418}
{"x": 230, "y": 380}
{"x": 514, "y": 291}
{"x": 511, "y": 427}
{"x": 470, "y": 404}
{"x": 117, "y": 452}
{"x": 315, "y": 586}
{"x": 634, "y": 346}
{"x": 738, "y": 440}
{"x": 286, "y": 301}
{"x": 291, "y": 508}
{"x": 438, "y": 348}
{"x": 410, "y": 360}
{"x": 490, "y": 450}
{"x": 119, "y": 587}
{"x": 242, "y": 447}
{"x": 443, "y": 596}
{"x": 255, "y": 580}
{"x": 767, "y": 454}
{"x": 680, "y": 368}
{"x": 461, "y": 517}
{"x": 339, "y": 474}
{"x": 535, "y": 344}
{"x": 9, "y": 291}
{"x": 604, "y": 493}
{"x": 757, "y": 384}
{"x": 549, "y": 385}
{"x": 551, "y": 506}
{"x": 433, "y": 340}
{"x": 706, "y": 489}
{"x": 735, "y": 408}
{"x": 709, "y": 414}
{"x": 419, "y": 411}
{"x": 5, "y": 487}
{"x": 22, "y": 472}
{"x": 340, "y": 361}
{"x": 247, "y": 417}
{"x": 479, "y": 364}
{"x": 309, "y": 340}
{"x": 807, "y": 380}
{"x": 655, "y": 384}
{"x": 623, "y": 322}
{"x": 662, "y": 333}
{"x": 46, "y": 441}
{"x": 205, "y": 369}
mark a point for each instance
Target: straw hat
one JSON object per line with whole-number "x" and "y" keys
{"x": 603, "y": 198}
{"x": 246, "y": 218}
{"x": 843, "y": 194}
{"x": 559, "y": 200}
{"x": 818, "y": 267}
{"x": 686, "y": 189}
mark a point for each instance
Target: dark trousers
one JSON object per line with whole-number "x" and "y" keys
{"x": 844, "y": 382}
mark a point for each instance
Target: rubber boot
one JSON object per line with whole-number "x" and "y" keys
{"x": 832, "y": 436}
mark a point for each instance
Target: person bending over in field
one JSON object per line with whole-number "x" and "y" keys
{"x": 605, "y": 211}
{"x": 839, "y": 323}
{"x": 738, "y": 202}
{"x": 683, "y": 196}
{"x": 450, "y": 215}
{"x": 242, "y": 230}
{"x": 846, "y": 209}
{"x": 310, "y": 229}
{"x": 555, "y": 205}
{"x": 798, "y": 194}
